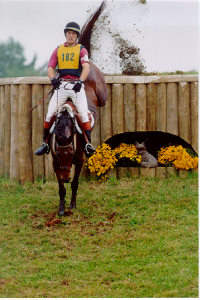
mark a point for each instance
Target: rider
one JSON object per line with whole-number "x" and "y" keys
{"x": 73, "y": 67}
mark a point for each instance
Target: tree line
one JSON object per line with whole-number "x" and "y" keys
{"x": 13, "y": 61}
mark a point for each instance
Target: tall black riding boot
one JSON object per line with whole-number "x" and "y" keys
{"x": 44, "y": 148}
{"x": 89, "y": 149}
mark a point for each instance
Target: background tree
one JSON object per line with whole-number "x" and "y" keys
{"x": 12, "y": 61}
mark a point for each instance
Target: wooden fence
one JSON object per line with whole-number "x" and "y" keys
{"x": 135, "y": 103}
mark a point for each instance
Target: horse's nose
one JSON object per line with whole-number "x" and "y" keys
{"x": 66, "y": 180}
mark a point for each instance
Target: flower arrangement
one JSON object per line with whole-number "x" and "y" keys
{"x": 105, "y": 158}
{"x": 178, "y": 157}
{"x": 127, "y": 154}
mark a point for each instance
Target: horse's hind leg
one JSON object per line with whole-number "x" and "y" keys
{"x": 74, "y": 184}
{"x": 74, "y": 187}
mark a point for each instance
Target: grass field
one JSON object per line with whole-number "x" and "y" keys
{"x": 133, "y": 238}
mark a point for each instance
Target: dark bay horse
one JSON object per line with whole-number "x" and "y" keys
{"x": 67, "y": 148}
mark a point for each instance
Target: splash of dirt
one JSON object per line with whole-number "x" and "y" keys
{"x": 110, "y": 52}
{"x": 53, "y": 222}
{"x": 131, "y": 62}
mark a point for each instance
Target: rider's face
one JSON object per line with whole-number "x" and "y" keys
{"x": 71, "y": 37}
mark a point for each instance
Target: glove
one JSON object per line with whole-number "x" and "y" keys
{"x": 55, "y": 82}
{"x": 77, "y": 86}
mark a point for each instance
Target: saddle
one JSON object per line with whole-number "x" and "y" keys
{"x": 72, "y": 110}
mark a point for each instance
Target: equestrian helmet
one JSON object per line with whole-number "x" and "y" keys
{"x": 72, "y": 26}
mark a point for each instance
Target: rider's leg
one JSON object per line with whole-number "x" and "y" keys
{"x": 59, "y": 97}
{"x": 44, "y": 148}
{"x": 80, "y": 101}
{"x": 89, "y": 149}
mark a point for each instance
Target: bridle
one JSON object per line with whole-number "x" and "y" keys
{"x": 64, "y": 146}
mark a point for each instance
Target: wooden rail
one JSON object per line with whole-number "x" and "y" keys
{"x": 135, "y": 103}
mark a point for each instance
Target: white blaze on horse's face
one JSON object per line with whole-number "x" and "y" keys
{"x": 65, "y": 159}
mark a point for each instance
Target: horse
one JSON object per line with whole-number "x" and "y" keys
{"x": 67, "y": 148}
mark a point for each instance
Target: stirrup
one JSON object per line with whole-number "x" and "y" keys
{"x": 44, "y": 148}
{"x": 89, "y": 150}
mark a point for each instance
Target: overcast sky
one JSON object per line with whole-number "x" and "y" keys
{"x": 165, "y": 31}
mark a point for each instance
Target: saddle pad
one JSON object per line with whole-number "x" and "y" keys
{"x": 71, "y": 113}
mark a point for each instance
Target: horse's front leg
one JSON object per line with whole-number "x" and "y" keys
{"x": 62, "y": 190}
{"x": 74, "y": 184}
{"x": 62, "y": 193}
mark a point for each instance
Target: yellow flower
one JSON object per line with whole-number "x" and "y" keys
{"x": 178, "y": 157}
{"x": 105, "y": 158}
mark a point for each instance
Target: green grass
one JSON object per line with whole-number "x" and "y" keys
{"x": 133, "y": 238}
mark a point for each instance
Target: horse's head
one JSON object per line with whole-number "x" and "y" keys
{"x": 64, "y": 147}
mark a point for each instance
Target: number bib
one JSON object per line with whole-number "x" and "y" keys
{"x": 68, "y": 57}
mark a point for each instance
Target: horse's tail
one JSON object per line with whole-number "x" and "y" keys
{"x": 86, "y": 31}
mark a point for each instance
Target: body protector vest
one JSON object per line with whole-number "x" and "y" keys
{"x": 69, "y": 62}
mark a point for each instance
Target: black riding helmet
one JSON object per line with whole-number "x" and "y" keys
{"x": 72, "y": 26}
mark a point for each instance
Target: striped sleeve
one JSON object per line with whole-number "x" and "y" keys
{"x": 84, "y": 55}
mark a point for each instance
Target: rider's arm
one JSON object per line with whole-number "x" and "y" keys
{"x": 51, "y": 72}
{"x": 52, "y": 64}
{"x": 85, "y": 71}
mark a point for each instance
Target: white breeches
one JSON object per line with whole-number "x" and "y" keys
{"x": 60, "y": 96}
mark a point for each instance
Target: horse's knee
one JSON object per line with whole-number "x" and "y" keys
{"x": 62, "y": 191}
{"x": 74, "y": 186}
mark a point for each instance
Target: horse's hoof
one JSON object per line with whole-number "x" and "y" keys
{"x": 61, "y": 213}
{"x": 72, "y": 206}
{"x": 73, "y": 202}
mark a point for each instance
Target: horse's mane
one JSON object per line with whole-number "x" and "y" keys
{"x": 86, "y": 31}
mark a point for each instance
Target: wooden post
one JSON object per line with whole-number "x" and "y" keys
{"x": 161, "y": 109}
{"x": 122, "y": 172}
{"x": 14, "y": 149}
{"x": 184, "y": 111}
{"x": 141, "y": 113}
{"x": 134, "y": 171}
{"x": 7, "y": 129}
{"x": 49, "y": 172}
{"x": 171, "y": 171}
{"x": 151, "y": 107}
{"x": 148, "y": 172}
{"x": 129, "y": 107}
{"x": 96, "y": 132}
{"x": 172, "y": 108}
{"x": 106, "y": 116}
{"x": 194, "y": 115}
{"x": 183, "y": 173}
{"x": 2, "y": 131}
{"x": 37, "y": 129}
{"x": 25, "y": 145}
{"x": 161, "y": 172}
{"x": 117, "y": 109}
